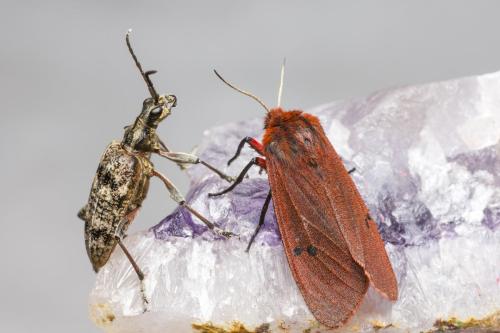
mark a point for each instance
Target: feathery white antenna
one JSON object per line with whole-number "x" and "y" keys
{"x": 280, "y": 91}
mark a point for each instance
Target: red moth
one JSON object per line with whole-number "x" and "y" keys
{"x": 331, "y": 242}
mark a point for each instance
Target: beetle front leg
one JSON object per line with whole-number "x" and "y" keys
{"x": 185, "y": 158}
{"x": 163, "y": 145}
{"x": 179, "y": 198}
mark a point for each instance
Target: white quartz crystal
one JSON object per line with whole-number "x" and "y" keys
{"x": 427, "y": 163}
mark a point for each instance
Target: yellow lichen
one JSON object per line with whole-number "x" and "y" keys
{"x": 356, "y": 328}
{"x": 453, "y": 323}
{"x": 283, "y": 326}
{"x": 234, "y": 328}
{"x": 102, "y": 314}
{"x": 378, "y": 325}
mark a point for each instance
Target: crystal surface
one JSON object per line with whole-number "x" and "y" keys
{"x": 427, "y": 163}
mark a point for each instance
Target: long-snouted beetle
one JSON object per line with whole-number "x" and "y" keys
{"x": 331, "y": 242}
{"x": 122, "y": 180}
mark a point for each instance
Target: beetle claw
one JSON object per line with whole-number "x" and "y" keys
{"x": 224, "y": 233}
{"x": 229, "y": 179}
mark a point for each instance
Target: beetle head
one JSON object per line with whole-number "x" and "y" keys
{"x": 154, "y": 111}
{"x": 158, "y": 107}
{"x": 141, "y": 136}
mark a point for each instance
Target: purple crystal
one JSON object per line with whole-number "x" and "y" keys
{"x": 246, "y": 202}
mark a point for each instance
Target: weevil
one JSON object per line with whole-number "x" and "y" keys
{"x": 122, "y": 179}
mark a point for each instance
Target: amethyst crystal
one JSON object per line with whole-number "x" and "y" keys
{"x": 427, "y": 162}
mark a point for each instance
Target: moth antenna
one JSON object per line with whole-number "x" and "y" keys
{"x": 280, "y": 91}
{"x": 146, "y": 75}
{"x": 242, "y": 91}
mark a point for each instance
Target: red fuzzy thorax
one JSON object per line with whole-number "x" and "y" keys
{"x": 280, "y": 124}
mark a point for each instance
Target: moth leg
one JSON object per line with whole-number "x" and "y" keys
{"x": 179, "y": 198}
{"x": 256, "y": 145}
{"x": 254, "y": 161}
{"x": 185, "y": 158}
{"x": 119, "y": 234}
{"x": 261, "y": 220}
{"x": 350, "y": 170}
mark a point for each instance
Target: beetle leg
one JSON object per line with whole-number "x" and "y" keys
{"x": 254, "y": 161}
{"x": 119, "y": 234}
{"x": 177, "y": 197}
{"x": 163, "y": 145}
{"x": 254, "y": 143}
{"x": 261, "y": 220}
{"x": 139, "y": 272}
{"x": 174, "y": 192}
{"x": 185, "y": 158}
{"x": 83, "y": 213}
{"x": 221, "y": 174}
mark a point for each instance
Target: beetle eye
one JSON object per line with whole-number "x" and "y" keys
{"x": 156, "y": 111}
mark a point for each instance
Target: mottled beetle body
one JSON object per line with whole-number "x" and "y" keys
{"x": 118, "y": 190}
{"x": 121, "y": 182}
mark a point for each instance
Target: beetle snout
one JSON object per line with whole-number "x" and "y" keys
{"x": 169, "y": 101}
{"x": 172, "y": 99}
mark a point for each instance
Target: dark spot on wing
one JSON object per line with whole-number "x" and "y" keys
{"x": 312, "y": 250}
{"x": 297, "y": 251}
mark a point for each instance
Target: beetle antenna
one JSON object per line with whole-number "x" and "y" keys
{"x": 145, "y": 75}
{"x": 242, "y": 91}
{"x": 280, "y": 91}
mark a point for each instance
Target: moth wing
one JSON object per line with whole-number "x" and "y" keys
{"x": 377, "y": 264}
{"x": 332, "y": 283}
{"x": 354, "y": 215}
{"x": 317, "y": 203}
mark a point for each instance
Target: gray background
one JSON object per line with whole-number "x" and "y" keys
{"x": 68, "y": 86}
